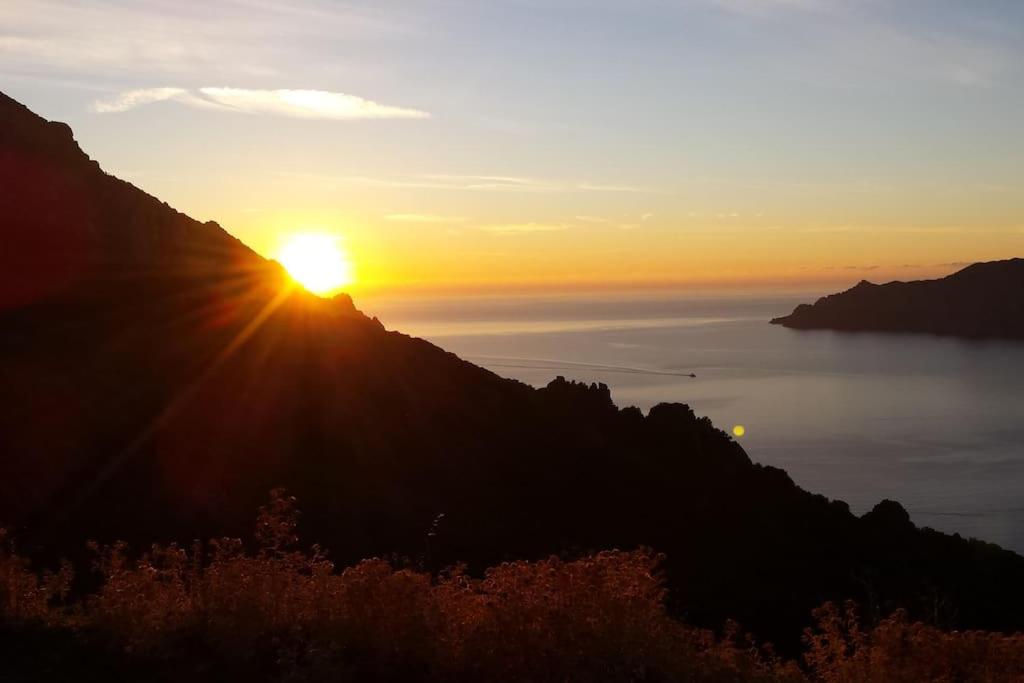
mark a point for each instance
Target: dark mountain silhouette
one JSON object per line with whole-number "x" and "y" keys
{"x": 982, "y": 300}
{"x": 159, "y": 378}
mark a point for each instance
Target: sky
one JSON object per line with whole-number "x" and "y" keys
{"x": 471, "y": 145}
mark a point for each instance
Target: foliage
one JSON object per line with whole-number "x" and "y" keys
{"x": 26, "y": 596}
{"x": 217, "y": 611}
{"x": 895, "y": 650}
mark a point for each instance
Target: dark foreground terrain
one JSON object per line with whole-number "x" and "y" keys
{"x": 981, "y": 301}
{"x": 215, "y": 612}
{"x": 158, "y": 378}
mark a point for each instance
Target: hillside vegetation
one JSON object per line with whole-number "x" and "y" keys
{"x": 218, "y": 612}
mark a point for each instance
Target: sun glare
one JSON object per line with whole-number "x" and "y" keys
{"x": 317, "y": 261}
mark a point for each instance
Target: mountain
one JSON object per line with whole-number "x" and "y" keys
{"x": 981, "y": 301}
{"x": 159, "y": 378}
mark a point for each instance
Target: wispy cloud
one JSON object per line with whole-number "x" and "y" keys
{"x": 311, "y": 104}
{"x": 307, "y": 104}
{"x": 520, "y": 228}
{"x": 914, "y": 229}
{"x": 194, "y": 41}
{"x": 902, "y": 266}
{"x": 622, "y": 223}
{"x": 130, "y": 99}
{"x": 423, "y": 218}
{"x": 522, "y": 184}
{"x": 644, "y": 217}
{"x": 494, "y": 183}
{"x": 596, "y": 187}
{"x": 488, "y": 182}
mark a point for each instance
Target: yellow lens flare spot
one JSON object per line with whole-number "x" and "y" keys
{"x": 738, "y": 430}
{"x": 317, "y": 261}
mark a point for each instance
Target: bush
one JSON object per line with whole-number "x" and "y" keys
{"x": 26, "y": 596}
{"x": 597, "y": 618}
{"x": 216, "y": 612}
{"x": 839, "y": 650}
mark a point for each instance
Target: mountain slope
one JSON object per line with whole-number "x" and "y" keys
{"x": 159, "y": 378}
{"x": 982, "y": 300}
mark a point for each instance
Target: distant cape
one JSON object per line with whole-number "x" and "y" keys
{"x": 984, "y": 300}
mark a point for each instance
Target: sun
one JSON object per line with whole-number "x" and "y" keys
{"x": 317, "y": 261}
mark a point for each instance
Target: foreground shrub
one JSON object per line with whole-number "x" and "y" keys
{"x": 291, "y": 613}
{"x": 26, "y": 596}
{"x": 839, "y": 650}
{"x": 218, "y": 612}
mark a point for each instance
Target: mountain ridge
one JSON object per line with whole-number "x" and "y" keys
{"x": 160, "y": 378}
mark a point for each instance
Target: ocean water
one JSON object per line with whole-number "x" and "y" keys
{"x": 935, "y": 423}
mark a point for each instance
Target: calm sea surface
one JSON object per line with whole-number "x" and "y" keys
{"x": 935, "y": 423}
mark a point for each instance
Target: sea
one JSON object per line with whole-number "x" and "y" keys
{"x": 934, "y": 423}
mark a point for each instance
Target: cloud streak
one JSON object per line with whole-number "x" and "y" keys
{"x": 523, "y": 228}
{"x": 189, "y": 43}
{"x": 458, "y": 182}
{"x": 423, "y": 218}
{"x": 307, "y": 104}
{"x": 130, "y": 99}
